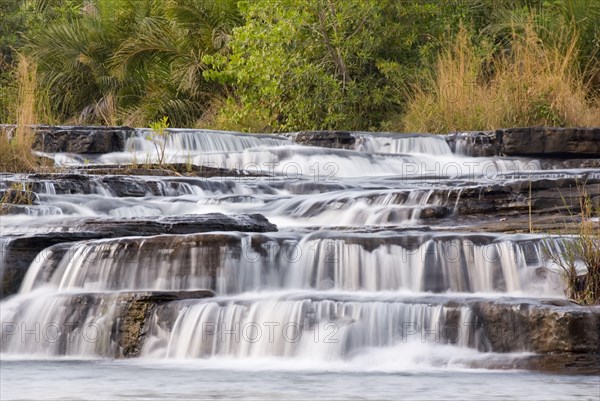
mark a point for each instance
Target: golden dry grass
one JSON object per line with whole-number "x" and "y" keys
{"x": 16, "y": 144}
{"x": 536, "y": 84}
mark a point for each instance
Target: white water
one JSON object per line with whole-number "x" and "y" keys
{"x": 323, "y": 330}
{"x": 405, "y": 144}
{"x": 235, "y": 263}
{"x": 330, "y": 273}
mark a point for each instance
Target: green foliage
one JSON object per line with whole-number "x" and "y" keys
{"x": 132, "y": 61}
{"x": 323, "y": 64}
{"x": 269, "y": 65}
{"x": 159, "y": 137}
{"x": 19, "y": 19}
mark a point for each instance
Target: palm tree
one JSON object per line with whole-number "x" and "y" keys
{"x": 134, "y": 61}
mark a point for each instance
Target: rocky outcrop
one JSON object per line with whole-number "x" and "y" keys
{"x": 546, "y": 196}
{"x": 538, "y": 142}
{"x": 551, "y": 142}
{"x": 564, "y": 336}
{"x": 544, "y": 327}
{"x": 80, "y": 139}
{"x": 325, "y": 139}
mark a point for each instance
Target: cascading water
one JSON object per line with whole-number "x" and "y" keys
{"x": 48, "y": 324}
{"x": 235, "y": 263}
{"x": 405, "y": 144}
{"x": 301, "y": 328}
{"x": 366, "y": 270}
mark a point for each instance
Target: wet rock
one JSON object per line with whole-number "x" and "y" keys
{"x": 434, "y": 212}
{"x": 546, "y": 327}
{"x": 113, "y": 325}
{"x": 134, "y": 310}
{"x": 551, "y": 142}
{"x": 553, "y": 164}
{"x": 80, "y": 139}
{"x": 167, "y": 170}
{"x": 562, "y": 363}
{"x": 559, "y": 363}
{"x": 557, "y": 147}
{"x": 184, "y": 224}
{"x": 547, "y": 196}
{"x": 325, "y": 139}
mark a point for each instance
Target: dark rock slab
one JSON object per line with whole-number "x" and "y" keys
{"x": 122, "y": 185}
{"x": 80, "y": 139}
{"x": 168, "y": 170}
{"x": 325, "y": 139}
{"x": 551, "y": 142}
{"x": 547, "y": 196}
{"x": 560, "y": 144}
{"x": 184, "y": 224}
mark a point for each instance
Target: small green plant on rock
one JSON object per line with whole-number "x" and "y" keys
{"x": 582, "y": 249}
{"x": 159, "y": 138}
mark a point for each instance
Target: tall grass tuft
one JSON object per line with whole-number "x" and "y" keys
{"x": 532, "y": 83}
{"x": 583, "y": 250}
{"x": 16, "y": 144}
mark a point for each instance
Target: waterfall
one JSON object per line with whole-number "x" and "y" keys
{"x": 235, "y": 263}
{"x": 368, "y": 258}
{"x": 402, "y": 144}
{"x": 327, "y": 329}
{"x": 48, "y": 324}
{"x": 4, "y": 243}
{"x": 204, "y": 140}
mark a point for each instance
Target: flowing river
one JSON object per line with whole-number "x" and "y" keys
{"x": 369, "y": 289}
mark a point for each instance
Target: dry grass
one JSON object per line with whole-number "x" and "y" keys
{"x": 535, "y": 84}
{"x": 16, "y": 144}
{"x": 16, "y": 194}
{"x": 583, "y": 249}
